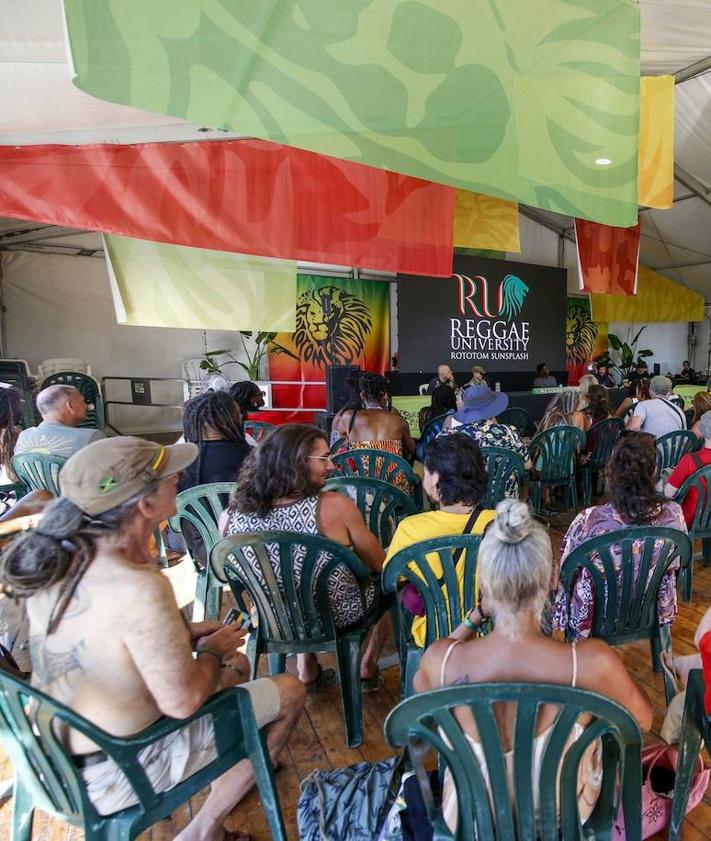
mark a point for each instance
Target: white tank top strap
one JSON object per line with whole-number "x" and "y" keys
{"x": 445, "y": 660}
{"x": 574, "y": 653}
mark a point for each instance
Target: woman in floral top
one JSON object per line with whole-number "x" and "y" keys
{"x": 633, "y": 502}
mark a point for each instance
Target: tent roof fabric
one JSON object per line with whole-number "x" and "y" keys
{"x": 39, "y": 104}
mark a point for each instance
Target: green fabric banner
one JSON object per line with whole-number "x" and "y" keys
{"x": 158, "y": 285}
{"x": 535, "y": 102}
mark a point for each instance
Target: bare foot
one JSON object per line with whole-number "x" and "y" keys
{"x": 680, "y": 665}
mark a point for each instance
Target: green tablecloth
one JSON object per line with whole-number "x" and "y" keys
{"x": 688, "y": 392}
{"x": 409, "y": 408}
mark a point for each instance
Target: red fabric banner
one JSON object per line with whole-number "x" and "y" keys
{"x": 608, "y": 258}
{"x": 248, "y": 196}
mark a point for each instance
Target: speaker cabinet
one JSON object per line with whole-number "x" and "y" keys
{"x": 337, "y": 391}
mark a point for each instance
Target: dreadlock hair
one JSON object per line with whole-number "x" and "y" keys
{"x": 278, "y": 468}
{"x": 211, "y": 410}
{"x": 373, "y": 386}
{"x": 60, "y": 550}
{"x": 355, "y": 401}
{"x": 630, "y": 476}
{"x": 242, "y": 393}
{"x": 10, "y": 412}
{"x": 560, "y": 410}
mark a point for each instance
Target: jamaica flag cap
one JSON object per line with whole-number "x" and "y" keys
{"x": 109, "y": 472}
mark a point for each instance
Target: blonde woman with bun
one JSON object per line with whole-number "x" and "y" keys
{"x": 584, "y": 384}
{"x": 515, "y": 560}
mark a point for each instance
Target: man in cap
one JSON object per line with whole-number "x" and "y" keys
{"x": 107, "y": 638}
{"x": 658, "y": 415}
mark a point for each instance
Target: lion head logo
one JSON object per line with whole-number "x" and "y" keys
{"x": 580, "y": 335}
{"x": 332, "y": 326}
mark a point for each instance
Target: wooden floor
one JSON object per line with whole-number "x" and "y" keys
{"x": 319, "y": 741}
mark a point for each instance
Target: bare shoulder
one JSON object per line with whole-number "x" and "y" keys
{"x": 335, "y": 504}
{"x": 596, "y": 658}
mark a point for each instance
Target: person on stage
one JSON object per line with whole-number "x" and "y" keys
{"x": 478, "y": 377}
{"x": 640, "y": 371}
{"x": 544, "y": 379}
{"x": 686, "y": 375}
{"x": 444, "y": 377}
{"x": 603, "y": 376}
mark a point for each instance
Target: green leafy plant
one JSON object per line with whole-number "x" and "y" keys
{"x": 261, "y": 340}
{"x": 626, "y": 352}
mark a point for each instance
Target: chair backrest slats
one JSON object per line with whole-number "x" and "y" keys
{"x": 258, "y": 429}
{"x": 201, "y": 506}
{"x": 39, "y": 471}
{"x": 89, "y": 390}
{"x": 501, "y": 464}
{"x": 555, "y": 450}
{"x": 672, "y": 446}
{"x": 378, "y": 464}
{"x": 516, "y": 417}
{"x": 601, "y": 438}
{"x": 698, "y": 481}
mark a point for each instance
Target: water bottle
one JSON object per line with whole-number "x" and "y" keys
{"x": 497, "y": 386}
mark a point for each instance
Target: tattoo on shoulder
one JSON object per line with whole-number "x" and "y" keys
{"x": 49, "y": 666}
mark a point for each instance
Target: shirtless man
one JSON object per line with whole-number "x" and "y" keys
{"x": 374, "y": 422}
{"x": 108, "y": 640}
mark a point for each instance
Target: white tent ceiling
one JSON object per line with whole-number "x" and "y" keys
{"x": 39, "y": 104}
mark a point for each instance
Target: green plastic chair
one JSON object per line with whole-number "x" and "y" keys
{"x": 426, "y": 723}
{"x": 258, "y": 429}
{"x": 46, "y": 777}
{"x": 338, "y": 445}
{"x": 377, "y": 464}
{"x": 382, "y": 505}
{"x": 625, "y": 606}
{"x": 501, "y": 465}
{"x": 295, "y": 618}
{"x": 443, "y": 612}
{"x": 431, "y": 429}
{"x": 700, "y": 527}
{"x": 90, "y": 391}
{"x": 695, "y": 729}
{"x": 672, "y": 446}
{"x": 601, "y": 438}
{"x": 516, "y": 417}
{"x": 38, "y": 471}
{"x": 200, "y": 507}
{"x": 553, "y": 455}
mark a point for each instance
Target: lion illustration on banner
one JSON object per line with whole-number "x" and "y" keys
{"x": 580, "y": 335}
{"x": 332, "y": 326}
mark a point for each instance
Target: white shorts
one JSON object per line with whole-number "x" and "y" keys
{"x": 174, "y": 758}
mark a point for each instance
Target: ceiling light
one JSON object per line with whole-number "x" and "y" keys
{"x": 603, "y": 161}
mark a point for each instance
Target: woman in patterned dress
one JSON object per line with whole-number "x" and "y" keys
{"x": 279, "y": 489}
{"x": 633, "y": 502}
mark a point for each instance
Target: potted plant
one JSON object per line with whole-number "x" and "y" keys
{"x": 627, "y": 353}
{"x": 251, "y": 367}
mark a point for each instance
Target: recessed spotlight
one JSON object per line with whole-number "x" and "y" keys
{"x": 603, "y": 161}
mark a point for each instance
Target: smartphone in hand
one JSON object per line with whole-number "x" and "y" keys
{"x": 244, "y": 620}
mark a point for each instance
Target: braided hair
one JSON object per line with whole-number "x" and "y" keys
{"x": 10, "y": 412}
{"x": 242, "y": 393}
{"x": 373, "y": 386}
{"x": 60, "y": 550}
{"x": 211, "y": 410}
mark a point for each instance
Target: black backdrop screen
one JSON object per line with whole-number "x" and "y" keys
{"x": 502, "y": 315}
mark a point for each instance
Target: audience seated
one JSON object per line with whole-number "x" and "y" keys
{"x": 690, "y": 463}
{"x": 212, "y": 420}
{"x": 444, "y": 402}
{"x": 455, "y": 481}
{"x": 109, "y": 641}
{"x": 633, "y": 501}
{"x": 702, "y": 404}
{"x": 477, "y": 419}
{"x": 562, "y": 410}
{"x": 279, "y": 489}
{"x": 63, "y": 408}
{"x": 597, "y": 405}
{"x": 658, "y": 415}
{"x": 584, "y": 384}
{"x": 11, "y": 404}
{"x": 637, "y": 392}
{"x": 367, "y": 422}
{"x": 514, "y": 570}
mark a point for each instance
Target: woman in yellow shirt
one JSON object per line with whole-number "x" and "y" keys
{"x": 454, "y": 479}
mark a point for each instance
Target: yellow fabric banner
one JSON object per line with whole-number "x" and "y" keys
{"x": 485, "y": 222}
{"x": 154, "y": 284}
{"x": 656, "y": 141}
{"x": 657, "y": 299}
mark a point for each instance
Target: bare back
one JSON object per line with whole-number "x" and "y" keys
{"x": 377, "y": 425}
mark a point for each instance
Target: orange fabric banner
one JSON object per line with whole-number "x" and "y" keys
{"x": 656, "y": 141}
{"x": 608, "y": 258}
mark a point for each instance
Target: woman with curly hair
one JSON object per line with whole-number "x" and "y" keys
{"x": 279, "y": 489}
{"x": 597, "y": 405}
{"x": 633, "y": 502}
{"x": 637, "y": 392}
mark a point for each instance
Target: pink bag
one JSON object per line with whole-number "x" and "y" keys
{"x": 658, "y": 774}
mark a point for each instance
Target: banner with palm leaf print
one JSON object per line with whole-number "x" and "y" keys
{"x": 585, "y": 339}
{"x": 339, "y": 321}
{"x": 532, "y": 102}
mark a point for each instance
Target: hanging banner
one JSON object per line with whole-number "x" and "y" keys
{"x": 656, "y": 141}
{"x": 538, "y": 108}
{"x": 585, "y": 339}
{"x": 339, "y": 321}
{"x": 658, "y": 299}
{"x": 485, "y": 223}
{"x": 608, "y": 258}
{"x": 247, "y": 196}
{"x": 158, "y": 285}
{"x": 502, "y": 315}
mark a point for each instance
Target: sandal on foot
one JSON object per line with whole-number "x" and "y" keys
{"x": 371, "y": 684}
{"x": 325, "y": 678}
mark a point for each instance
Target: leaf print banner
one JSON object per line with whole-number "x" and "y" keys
{"x": 656, "y": 141}
{"x": 485, "y": 223}
{"x": 472, "y": 93}
{"x": 608, "y": 258}
{"x": 159, "y": 285}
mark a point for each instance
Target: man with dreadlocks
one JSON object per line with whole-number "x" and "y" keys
{"x": 212, "y": 420}
{"x": 107, "y": 638}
